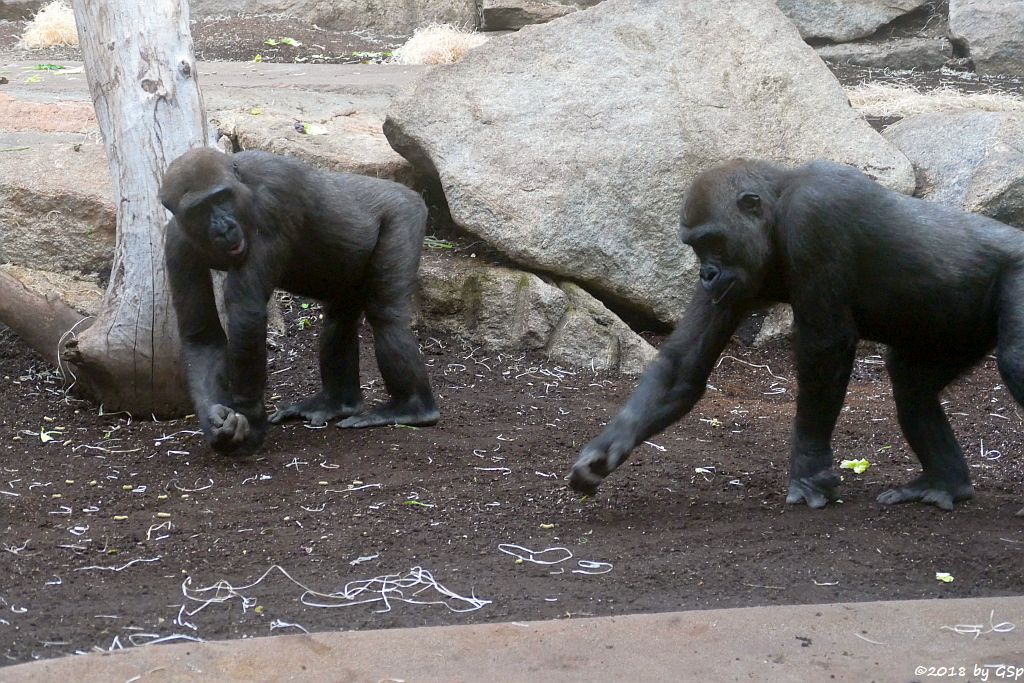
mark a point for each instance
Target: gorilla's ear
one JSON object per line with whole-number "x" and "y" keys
{"x": 170, "y": 194}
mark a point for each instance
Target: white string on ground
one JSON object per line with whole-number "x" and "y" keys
{"x": 385, "y": 589}
{"x": 277, "y": 623}
{"x": 155, "y": 639}
{"x": 500, "y": 470}
{"x": 122, "y": 567}
{"x": 981, "y": 629}
{"x": 186, "y": 432}
{"x": 989, "y": 455}
{"x": 352, "y": 487}
{"x": 174, "y": 483}
{"x": 524, "y": 554}
{"x": 747, "y": 363}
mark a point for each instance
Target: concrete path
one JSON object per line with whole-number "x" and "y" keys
{"x": 325, "y": 78}
{"x": 257, "y": 105}
{"x": 873, "y": 641}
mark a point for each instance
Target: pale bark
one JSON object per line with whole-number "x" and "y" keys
{"x": 142, "y": 75}
{"x": 41, "y": 320}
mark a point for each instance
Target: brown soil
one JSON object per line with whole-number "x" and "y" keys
{"x": 109, "y": 490}
{"x": 105, "y": 518}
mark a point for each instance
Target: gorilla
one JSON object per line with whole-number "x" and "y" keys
{"x": 350, "y": 241}
{"x": 940, "y": 287}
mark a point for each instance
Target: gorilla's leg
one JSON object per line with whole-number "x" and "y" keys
{"x": 340, "y": 395}
{"x": 824, "y": 359}
{"x": 915, "y": 386}
{"x": 405, "y": 377}
{"x": 1010, "y": 343}
{"x": 388, "y": 291}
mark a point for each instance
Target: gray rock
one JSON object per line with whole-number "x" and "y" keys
{"x": 388, "y": 17}
{"x": 346, "y": 136}
{"x": 840, "y": 21}
{"x": 81, "y": 293}
{"x": 509, "y": 15}
{"x": 971, "y": 160}
{"x": 777, "y": 325}
{"x": 992, "y": 32}
{"x": 574, "y": 161}
{"x": 506, "y": 310}
{"x": 925, "y": 54}
{"x": 393, "y": 17}
{"x": 56, "y": 203}
{"x": 592, "y": 336}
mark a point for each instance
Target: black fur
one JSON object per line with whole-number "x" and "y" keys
{"x": 939, "y": 286}
{"x": 353, "y": 242}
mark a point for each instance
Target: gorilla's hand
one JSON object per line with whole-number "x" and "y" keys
{"x": 230, "y": 431}
{"x": 597, "y": 460}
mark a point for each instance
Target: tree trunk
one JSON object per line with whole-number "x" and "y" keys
{"x": 41, "y": 320}
{"x": 142, "y": 75}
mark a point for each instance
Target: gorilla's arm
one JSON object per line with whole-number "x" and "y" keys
{"x": 668, "y": 389}
{"x": 246, "y": 295}
{"x": 203, "y": 342}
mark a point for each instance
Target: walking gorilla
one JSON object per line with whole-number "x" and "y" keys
{"x": 353, "y": 242}
{"x": 939, "y": 286}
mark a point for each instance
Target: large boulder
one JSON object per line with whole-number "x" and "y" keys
{"x": 972, "y": 160}
{"x": 506, "y": 310}
{"x": 840, "y": 21}
{"x": 569, "y": 145}
{"x": 56, "y": 205}
{"x": 991, "y": 32}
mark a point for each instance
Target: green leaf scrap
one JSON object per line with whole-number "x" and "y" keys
{"x": 858, "y": 466}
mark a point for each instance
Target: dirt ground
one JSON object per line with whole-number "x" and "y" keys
{"x": 108, "y": 519}
{"x": 112, "y": 526}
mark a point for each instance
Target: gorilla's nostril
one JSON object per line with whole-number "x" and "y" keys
{"x": 708, "y": 273}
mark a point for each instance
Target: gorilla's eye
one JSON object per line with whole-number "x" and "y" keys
{"x": 198, "y": 209}
{"x": 749, "y": 201}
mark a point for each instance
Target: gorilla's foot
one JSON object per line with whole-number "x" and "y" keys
{"x": 816, "y": 490}
{"x": 410, "y": 413}
{"x": 317, "y": 410}
{"x": 930, "y": 491}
